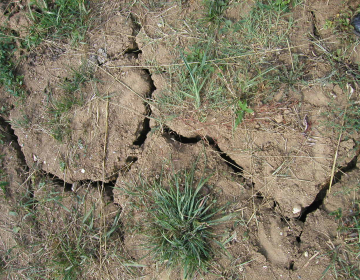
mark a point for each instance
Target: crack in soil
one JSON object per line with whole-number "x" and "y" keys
{"x": 107, "y": 187}
{"x": 133, "y": 52}
{"x": 145, "y": 126}
{"x": 319, "y": 199}
{"x": 11, "y": 138}
{"x": 315, "y": 31}
{"x": 170, "y": 134}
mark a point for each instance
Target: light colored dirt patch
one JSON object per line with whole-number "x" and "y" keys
{"x": 20, "y": 23}
{"x": 342, "y": 194}
{"x": 286, "y": 155}
{"x": 316, "y": 96}
{"x": 103, "y": 129}
{"x": 270, "y": 242}
{"x": 238, "y": 10}
{"x": 115, "y": 124}
{"x": 161, "y": 35}
{"x": 324, "y": 10}
{"x": 115, "y": 36}
{"x": 48, "y": 66}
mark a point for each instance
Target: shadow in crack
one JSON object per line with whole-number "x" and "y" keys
{"x": 172, "y": 135}
{"x": 145, "y": 128}
{"x": 319, "y": 199}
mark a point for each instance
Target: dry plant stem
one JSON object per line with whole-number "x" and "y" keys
{"x": 292, "y": 61}
{"x": 102, "y": 212}
{"x": 120, "y": 82}
{"x": 216, "y": 60}
{"x": 135, "y": 112}
{"x": 336, "y": 152}
{"x": 317, "y": 253}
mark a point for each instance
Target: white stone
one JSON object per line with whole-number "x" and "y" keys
{"x": 296, "y": 209}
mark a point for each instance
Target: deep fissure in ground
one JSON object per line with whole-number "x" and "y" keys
{"x": 319, "y": 199}
{"x": 172, "y": 135}
{"x": 315, "y": 205}
{"x": 145, "y": 126}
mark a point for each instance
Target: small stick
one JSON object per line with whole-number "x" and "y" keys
{"x": 317, "y": 253}
{"x": 103, "y": 180}
{"x": 292, "y": 62}
{"x": 336, "y": 153}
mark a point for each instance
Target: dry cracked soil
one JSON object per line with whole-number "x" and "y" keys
{"x": 276, "y": 168}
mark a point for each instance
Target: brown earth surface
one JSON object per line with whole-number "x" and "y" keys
{"x": 273, "y": 168}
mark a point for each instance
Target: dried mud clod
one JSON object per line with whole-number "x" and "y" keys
{"x": 114, "y": 110}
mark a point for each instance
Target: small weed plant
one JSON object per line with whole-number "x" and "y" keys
{"x": 241, "y": 109}
{"x": 180, "y": 231}
{"x": 214, "y": 10}
{"x": 199, "y": 75}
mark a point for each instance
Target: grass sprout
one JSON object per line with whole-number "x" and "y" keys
{"x": 214, "y": 10}
{"x": 198, "y": 79}
{"x": 182, "y": 222}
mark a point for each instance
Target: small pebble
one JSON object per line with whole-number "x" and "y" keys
{"x": 296, "y": 209}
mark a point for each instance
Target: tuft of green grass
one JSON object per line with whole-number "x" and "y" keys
{"x": 214, "y": 10}
{"x": 241, "y": 109}
{"x": 58, "y": 20}
{"x": 232, "y": 60}
{"x": 9, "y": 79}
{"x": 195, "y": 85}
{"x": 198, "y": 74}
{"x": 182, "y": 222}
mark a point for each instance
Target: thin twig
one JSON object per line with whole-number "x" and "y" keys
{"x": 337, "y": 151}
{"x": 103, "y": 182}
{"x": 317, "y": 253}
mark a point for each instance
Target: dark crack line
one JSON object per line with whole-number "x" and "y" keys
{"x": 145, "y": 126}
{"x": 315, "y": 31}
{"x": 11, "y": 138}
{"x": 106, "y": 187}
{"x": 319, "y": 199}
{"x": 172, "y": 135}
